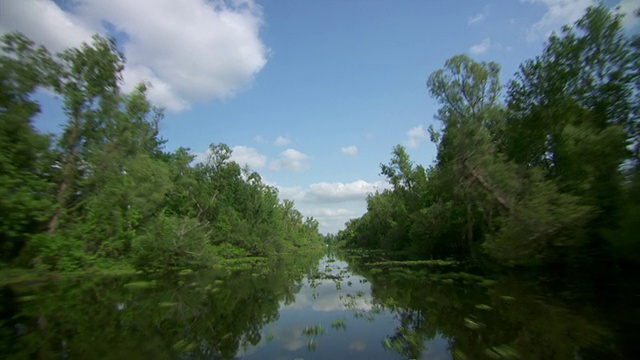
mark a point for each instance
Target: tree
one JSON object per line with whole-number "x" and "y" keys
{"x": 467, "y": 153}
{"x": 574, "y": 104}
{"x": 88, "y": 81}
{"x": 25, "y": 191}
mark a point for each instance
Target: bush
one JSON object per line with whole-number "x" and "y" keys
{"x": 173, "y": 242}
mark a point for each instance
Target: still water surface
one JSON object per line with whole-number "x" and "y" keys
{"x": 305, "y": 309}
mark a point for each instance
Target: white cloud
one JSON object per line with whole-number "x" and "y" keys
{"x": 481, "y": 47}
{"x": 332, "y": 192}
{"x": 200, "y": 156}
{"x": 332, "y": 204}
{"x": 476, "y": 18}
{"x": 415, "y": 136}
{"x": 244, "y": 155}
{"x": 259, "y": 139}
{"x": 290, "y": 159}
{"x": 333, "y": 219}
{"x": 295, "y": 193}
{"x": 558, "y": 14}
{"x": 191, "y": 50}
{"x": 330, "y": 213}
{"x": 628, "y": 8}
{"x": 339, "y": 192}
{"x": 350, "y": 150}
{"x": 44, "y": 22}
{"x": 282, "y": 141}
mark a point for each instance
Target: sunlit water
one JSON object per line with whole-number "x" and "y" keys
{"x": 305, "y": 309}
{"x": 353, "y": 325}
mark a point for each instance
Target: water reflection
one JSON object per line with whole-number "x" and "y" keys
{"x": 297, "y": 308}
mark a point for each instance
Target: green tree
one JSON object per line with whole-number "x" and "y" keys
{"x": 25, "y": 190}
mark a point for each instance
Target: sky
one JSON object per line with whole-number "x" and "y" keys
{"x": 313, "y": 95}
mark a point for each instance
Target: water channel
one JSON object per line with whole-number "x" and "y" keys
{"x": 336, "y": 307}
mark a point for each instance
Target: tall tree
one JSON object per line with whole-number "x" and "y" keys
{"x": 467, "y": 154}
{"x": 25, "y": 200}
{"x": 571, "y": 109}
{"x": 88, "y": 81}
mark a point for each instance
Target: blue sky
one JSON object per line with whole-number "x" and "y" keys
{"x": 311, "y": 94}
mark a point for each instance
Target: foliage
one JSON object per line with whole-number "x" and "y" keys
{"x": 547, "y": 173}
{"x": 105, "y": 190}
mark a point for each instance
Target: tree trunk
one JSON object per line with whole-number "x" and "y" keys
{"x": 68, "y": 168}
{"x": 489, "y": 189}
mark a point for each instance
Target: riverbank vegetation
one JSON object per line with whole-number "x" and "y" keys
{"x": 548, "y": 173}
{"x": 104, "y": 192}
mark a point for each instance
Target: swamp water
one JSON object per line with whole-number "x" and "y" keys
{"x": 306, "y": 309}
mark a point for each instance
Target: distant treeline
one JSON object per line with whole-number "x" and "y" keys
{"x": 548, "y": 173}
{"x": 104, "y": 191}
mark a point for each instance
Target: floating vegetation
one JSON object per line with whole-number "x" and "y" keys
{"x": 140, "y": 284}
{"x": 313, "y": 330}
{"x": 472, "y": 324}
{"x": 387, "y": 343}
{"x": 507, "y": 298}
{"x": 339, "y": 324}
{"x": 360, "y": 293}
{"x": 311, "y": 345}
{"x": 439, "y": 262}
{"x": 270, "y": 336}
{"x": 503, "y": 351}
{"x": 484, "y": 307}
{"x": 487, "y": 282}
{"x": 459, "y": 355}
{"x": 166, "y": 304}
{"x": 393, "y": 344}
{"x": 185, "y": 272}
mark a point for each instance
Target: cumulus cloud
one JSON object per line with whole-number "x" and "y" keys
{"x": 332, "y": 192}
{"x": 480, "y": 47}
{"x": 628, "y": 8}
{"x": 338, "y": 192}
{"x": 415, "y": 136}
{"x": 331, "y": 203}
{"x": 282, "y": 141}
{"x": 290, "y": 159}
{"x": 349, "y": 150}
{"x": 191, "y": 50}
{"x": 243, "y": 155}
{"x": 200, "y": 157}
{"x": 332, "y": 219}
{"x": 249, "y": 156}
{"x": 330, "y": 213}
{"x": 558, "y": 14}
{"x": 44, "y": 22}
